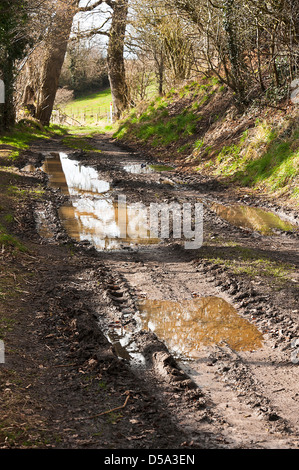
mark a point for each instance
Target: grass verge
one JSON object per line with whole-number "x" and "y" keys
{"x": 13, "y": 143}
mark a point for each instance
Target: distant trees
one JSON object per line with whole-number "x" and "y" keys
{"x": 44, "y": 67}
{"x": 251, "y": 45}
{"x": 160, "y": 35}
{"x": 117, "y": 24}
{"x": 84, "y": 68}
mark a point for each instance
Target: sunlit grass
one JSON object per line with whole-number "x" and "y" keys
{"x": 266, "y": 158}
{"x": 13, "y": 143}
{"x": 244, "y": 260}
{"x": 90, "y": 108}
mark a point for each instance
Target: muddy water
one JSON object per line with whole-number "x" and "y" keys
{"x": 92, "y": 213}
{"x": 187, "y": 325}
{"x": 252, "y": 218}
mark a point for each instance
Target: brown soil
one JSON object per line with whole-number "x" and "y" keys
{"x": 64, "y": 386}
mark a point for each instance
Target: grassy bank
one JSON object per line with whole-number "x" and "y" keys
{"x": 198, "y": 128}
{"x": 13, "y": 192}
{"x": 13, "y": 143}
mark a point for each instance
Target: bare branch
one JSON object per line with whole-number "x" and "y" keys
{"x": 92, "y": 7}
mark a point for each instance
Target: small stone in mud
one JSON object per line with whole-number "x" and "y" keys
{"x": 117, "y": 294}
{"x": 273, "y": 417}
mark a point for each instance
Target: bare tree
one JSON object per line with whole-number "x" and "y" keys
{"x": 115, "y": 56}
{"x": 160, "y": 34}
{"x": 44, "y": 66}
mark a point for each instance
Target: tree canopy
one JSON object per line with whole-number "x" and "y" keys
{"x": 250, "y": 45}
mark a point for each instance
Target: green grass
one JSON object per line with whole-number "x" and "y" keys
{"x": 156, "y": 127}
{"x": 90, "y": 106}
{"x": 13, "y": 143}
{"x": 18, "y": 140}
{"x": 79, "y": 143}
{"x": 244, "y": 260}
{"x": 8, "y": 240}
{"x": 266, "y": 158}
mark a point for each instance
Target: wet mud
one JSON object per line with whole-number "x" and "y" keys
{"x": 203, "y": 348}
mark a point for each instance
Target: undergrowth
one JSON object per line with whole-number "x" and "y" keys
{"x": 192, "y": 121}
{"x": 159, "y": 124}
{"x": 266, "y": 157}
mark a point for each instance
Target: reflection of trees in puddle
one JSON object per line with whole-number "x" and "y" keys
{"x": 98, "y": 221}
{"x": 124, "y": 346}
{"x": 72, "y": 177}
{"x": 252, "y": 218}
{"x": 93, "y": 216}
{"x": 187, "y": 325}
{"x": 138, "y": 168}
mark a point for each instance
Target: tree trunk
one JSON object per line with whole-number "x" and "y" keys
{"x": 235, "y": 55}
{"x": 115, "y": 57}
{"x": 44, "y": 67}
{"x": 7, "y": 115}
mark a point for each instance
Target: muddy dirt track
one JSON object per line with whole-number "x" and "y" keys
{"x": 105, "y": 354}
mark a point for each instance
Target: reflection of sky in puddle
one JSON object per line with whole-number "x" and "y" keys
{"x": 252, "y": 218}
{"x": 125, "y": 347}
{"x": 72, "y": 177}
{"x": 92, "y": 215}
{"x": 188, "y": 324}
{"x": 137, "y": 168}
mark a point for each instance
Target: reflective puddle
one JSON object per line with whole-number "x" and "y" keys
{"x": 188, "y": 325}
{"x": 92, "y": 214}
{"x": 139, "y": 168}
{"x": 72, "y": 178}
{"x": 29, "y": 168}
{"x": 125, "y": 347}
{"x": 252, "y": 218}
{"x": 161, "y": 168}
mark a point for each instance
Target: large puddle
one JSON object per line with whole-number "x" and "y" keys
{"x": 187, "y": 325}
{"x": 92, "y": 214}
{"x": 252, "y": 218}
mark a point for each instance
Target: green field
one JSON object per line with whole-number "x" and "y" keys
{"x": 90, "y": 109}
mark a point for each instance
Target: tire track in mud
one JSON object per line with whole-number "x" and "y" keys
{"x": 235, "y": 394}
{"x": 237, "y": 402}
